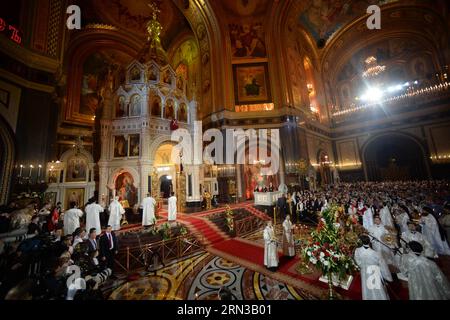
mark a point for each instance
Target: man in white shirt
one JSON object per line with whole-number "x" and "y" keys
{"x": 72, "y": 219}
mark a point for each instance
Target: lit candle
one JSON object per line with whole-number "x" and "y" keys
{"x": 39, "y": 171}
{"x": 20, "y": 172}
{"x": 31, "y": 169}
{"x": 274, "y": 216}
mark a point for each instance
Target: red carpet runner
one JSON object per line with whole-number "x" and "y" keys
{"x": 252, "y": 256}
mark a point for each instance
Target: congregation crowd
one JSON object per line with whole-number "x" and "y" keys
{"x": 62, "y": 247}
{"x": 406, "y": 228}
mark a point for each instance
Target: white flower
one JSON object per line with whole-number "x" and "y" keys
{"x": 326, "y": 263}
{"x": 313, "y": 260}
{"x": 309, "y": 253}
{"x": 322, "y": 255}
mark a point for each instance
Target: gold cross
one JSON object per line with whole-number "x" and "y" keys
{"x": 154, "y": 8}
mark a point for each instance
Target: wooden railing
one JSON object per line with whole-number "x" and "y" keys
{"x": 247, "y": 225}
{"x": 132, "y": 258}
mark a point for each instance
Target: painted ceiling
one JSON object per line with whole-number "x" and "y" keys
{"x": 133, "y": 15}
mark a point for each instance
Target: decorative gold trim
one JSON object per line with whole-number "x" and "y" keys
{"x": 100, "y": 26}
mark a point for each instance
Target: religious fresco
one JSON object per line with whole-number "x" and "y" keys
{"x": 251, "y": 83}
{"x": 74, "y": 195}
{"x": 76, "y": 169}
{"x": 134, "y": 145}
{"x": 186, "y": 58}
{"x": 182, "y": 113}
{"x": 322, "y": 18}
{"x": 120, "y": 147}
{"x": 125, "y": 189}
{"x": 95, "y": 69}
{"x": 247, "y": 40}
{"x": 121, "y": 107}
{"x": 135, "y": 105}
{"x": 132, "y": 16}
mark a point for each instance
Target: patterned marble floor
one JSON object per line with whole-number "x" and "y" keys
{"x": 200, "y": 277}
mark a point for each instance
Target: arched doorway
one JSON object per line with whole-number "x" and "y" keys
{"x": 394, "y": 157}
{"x": 166, "y": 169}
{"x": 165, "y": 185}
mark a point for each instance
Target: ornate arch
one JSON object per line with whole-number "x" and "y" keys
{"x": 81, "y": 46}
{"x": 118, "y": 171}
{"x": 156, "y": 143}
{"x": 410, "y": 137}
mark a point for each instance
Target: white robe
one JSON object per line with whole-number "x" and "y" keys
{"x": 386, "y": 217}
{"x": 368, "y": 218}
{"x": 172, "y": 208}
{"x": 148, "y": 213}
{"x": 72, "y": 220}
{"x": 115, "y": 214}
{"x": 378, "y": 231}
{"x": 93, "y": 217}
{"x": 402, "y": 221}
{"x": 409, "y": 236}
{"x": 270, "y": 248}
{"x": 372, "y": 286}
{"x": 352, "y": 210}
{"x": 425, "y": 280}
{"x": 431, "y": 233}
{"x": 288, "y": 239}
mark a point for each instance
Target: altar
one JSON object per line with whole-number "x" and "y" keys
{"x": 266, "y": 198}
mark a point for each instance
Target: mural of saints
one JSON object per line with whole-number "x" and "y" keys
{"x": 125, "y": 188}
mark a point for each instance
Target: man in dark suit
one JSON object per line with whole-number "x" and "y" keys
{"x": 109, "y": 247}
{"x": 282, "y": 206}
{"x": 92, "y": 240}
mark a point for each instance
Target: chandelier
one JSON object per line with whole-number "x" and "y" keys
{"x": 372, "y": 68}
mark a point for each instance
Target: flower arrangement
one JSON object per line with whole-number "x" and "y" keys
{"x": 329, "y": 250}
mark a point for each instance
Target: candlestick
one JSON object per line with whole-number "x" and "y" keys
{"x": 274, "y": 216}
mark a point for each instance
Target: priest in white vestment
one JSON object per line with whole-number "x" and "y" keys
{"x": 386, "y": 217}
{"x": 72, "y": 219}
{"x": 172, "y": 208}
{"x": 148, "y": 213}
{"x": 93, "y": 211}
{"x": 270, "y": 247}
{"x": 402, "y": 220}
{"x": 374, "y": 271}
{"x": 430, "y": 230}
{"x": 116, "y": 211}
{"x": 425, "y": 280}
{"x": 378, "y": 232}
{"x": 413, "y": 235}
{"x": 288, "y": 238}
{"x": 367, "y": 217}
